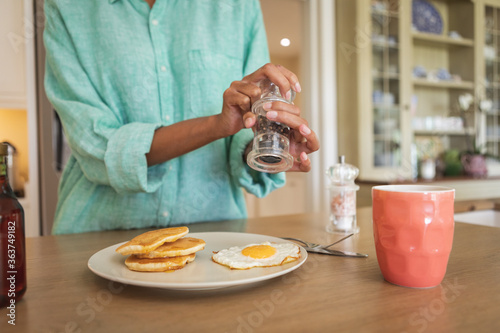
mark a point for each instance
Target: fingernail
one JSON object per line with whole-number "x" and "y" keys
{"x": 248, "y": 122}
{"x": 304, "y": 156}
{"x": 288, "y": 94}
{"x": 267, "y": 106}
{"x": 304, "y": 129}
{"x": 272, "y": 114}
{"x": 297, "y": 87}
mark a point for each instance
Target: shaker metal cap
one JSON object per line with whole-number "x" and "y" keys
{"x": 270, "y": 91}
{"x": 343, "y": 174}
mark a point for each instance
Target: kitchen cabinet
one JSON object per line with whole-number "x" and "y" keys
{"x": 12, "y": 55}
{"x": 400, "y": 81}
{"x": 290, "y": 199}
{"x": 437, "y": 122}
{"x": 373, "y": 97}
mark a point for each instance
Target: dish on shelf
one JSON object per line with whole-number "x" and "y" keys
{"x": 426, "y": 18}
{"x": 419, "y": 72}
{"x": 379, "y": 6}
{"x": 443, "y": 74}
{"x": 489, "y": 52}
{"x": 382, "y": 40}
{"x": 383, "y": 98}
{"x": 437, "y": 123}
{"x": 384, "y": 126}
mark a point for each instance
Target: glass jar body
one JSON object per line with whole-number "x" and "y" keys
{"x": 343, "y": 210}
{"x": 271, "y": 144}
{"x": 343, "y": 197}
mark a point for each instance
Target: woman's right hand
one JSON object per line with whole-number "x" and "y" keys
{"x": 238, "y": 98}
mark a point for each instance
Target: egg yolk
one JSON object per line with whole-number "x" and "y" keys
{"x": 258, "y": 251}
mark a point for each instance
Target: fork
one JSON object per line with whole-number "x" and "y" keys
{"x": 318, "y": 248}
{"x": 304, "y": 243}
{"x": 314, "y": 245}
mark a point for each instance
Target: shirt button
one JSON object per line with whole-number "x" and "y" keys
{"x": 165, "y": 214}
{"x": 169, "y": 168}
{"x": 167, "y": 117}
{"x": 163, "y": 68}
{"x": 154, "y": 22}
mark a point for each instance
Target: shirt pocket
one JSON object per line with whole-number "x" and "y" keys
{"x": 210, "y": 74}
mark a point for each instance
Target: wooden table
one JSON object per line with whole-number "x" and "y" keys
{"x": 326, "y": 294}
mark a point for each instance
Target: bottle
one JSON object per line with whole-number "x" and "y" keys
{"x": 12, "y": 241}
{"x": 271, "y": 143}
{"x": 343, "y": 198}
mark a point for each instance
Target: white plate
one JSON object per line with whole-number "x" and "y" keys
{"x": 202, "y": 273}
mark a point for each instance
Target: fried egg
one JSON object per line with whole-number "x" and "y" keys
{"x": 265, "y": 254}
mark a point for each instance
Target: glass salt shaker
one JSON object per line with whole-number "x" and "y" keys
{"x": 271, "y": 143}
{"x": 343, "y": 198}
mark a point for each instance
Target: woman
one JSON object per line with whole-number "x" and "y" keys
{"x": 157, "y": 137}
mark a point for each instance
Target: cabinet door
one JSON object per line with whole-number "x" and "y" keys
{"x": 290, "y": 199}
{"x": 12, "y": 55}
{"x": 490, "y": 132}
{"x": 384, "y": 136}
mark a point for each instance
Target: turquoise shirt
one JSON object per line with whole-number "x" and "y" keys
{"x": 116, "y": 71}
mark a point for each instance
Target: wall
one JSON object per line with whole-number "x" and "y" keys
{"x": 14, "y": 129}
{"x": 347, "y": 113}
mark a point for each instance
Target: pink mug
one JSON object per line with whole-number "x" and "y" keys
{"x": 413, "y": 229}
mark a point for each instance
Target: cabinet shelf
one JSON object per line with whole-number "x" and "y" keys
{"x": 385, "y": 138}
{"x": 494, "y": 32}
{"x": 491, "y": 61}
{"x": 382, "y": 45}
{"x": 492, "y": 113}
{"x": 441, "y": 40}
{"x": 492, "y": 85}
{"x": 387, "y": 13}
{"x": 391, "y": 76}
{"x": 444, "y": 84}
{"x": 387, "y": 107}
{"x": 444, "y": 132}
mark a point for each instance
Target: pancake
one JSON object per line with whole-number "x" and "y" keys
{"x": 150, "y": 240}
{"x": 158, "y": 264}
{"x": 180, "y": 247}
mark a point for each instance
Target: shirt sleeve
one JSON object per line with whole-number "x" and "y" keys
{"x": 257, "y": 54}
{"x": 255, "y": 182}
{"x": 108, "y": 151}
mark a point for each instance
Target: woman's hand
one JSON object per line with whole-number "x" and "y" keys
{"x": 303, "y": 140}
{"x": 236, "y": 111}
{"x": 238, "y": 98}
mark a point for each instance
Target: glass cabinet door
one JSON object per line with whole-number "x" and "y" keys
{"x": 386, "y": 125}
{"x": 492, "y": 79}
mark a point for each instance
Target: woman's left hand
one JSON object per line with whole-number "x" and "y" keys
{"x": 303, "y": 140}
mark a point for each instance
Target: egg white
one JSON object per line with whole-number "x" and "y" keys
{"x": 233, "y": 257}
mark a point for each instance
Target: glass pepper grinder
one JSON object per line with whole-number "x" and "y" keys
{"x": 343, "y": 198}
{"x": 271, "y": 143}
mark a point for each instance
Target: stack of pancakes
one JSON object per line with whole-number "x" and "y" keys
{"x": 161, "y": 250}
